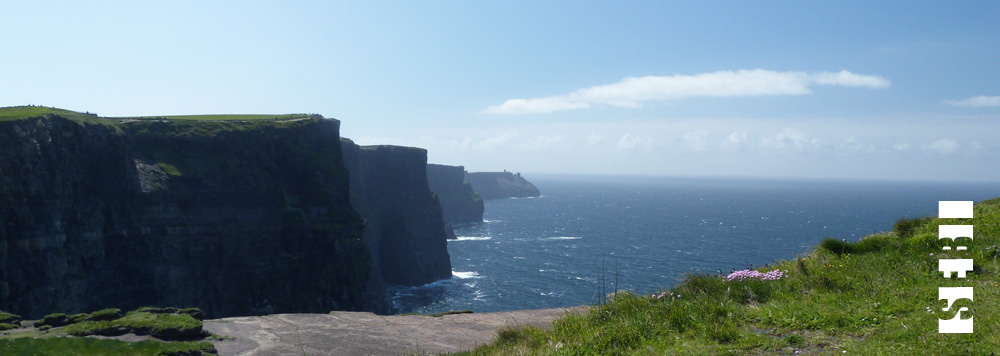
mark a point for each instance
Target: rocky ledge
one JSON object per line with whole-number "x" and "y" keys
{"x": 356, "y": 333}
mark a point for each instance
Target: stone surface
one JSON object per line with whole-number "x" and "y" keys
{"x": 355, "y": 333}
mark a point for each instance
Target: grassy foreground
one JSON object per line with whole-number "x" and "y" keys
{"x": 177, "y": 332}
{"x": 876, "y": 296}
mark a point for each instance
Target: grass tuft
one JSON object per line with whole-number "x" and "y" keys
{"x": 89, "y": 346}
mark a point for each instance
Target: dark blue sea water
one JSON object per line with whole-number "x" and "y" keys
{"x": 549, "y": 251}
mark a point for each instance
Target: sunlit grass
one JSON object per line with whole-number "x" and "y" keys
{"x": 221, "y": 117}
{"x": 873, "y": 296}
{"x": 54, "y": 334}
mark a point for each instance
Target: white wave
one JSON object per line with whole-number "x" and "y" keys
{"x": 563, "y": 238}
{"x": 472, "y": 238}
{"x": 464, "y": 275}
{"x": 488, "y": 221}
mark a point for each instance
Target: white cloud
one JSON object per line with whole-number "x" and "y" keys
{"x": 943, "y": 146}
{"x": 696, "y": 140}
{"x": 848, "y": 79}
{"x": 627, "y": 141}
{"x": 902, "y": 147}
{"x": 632, "y": 92}
{"x": 535, "y": 106}
{"x": 594, "y": 138}
{"x": 981, "y": 101}
{"x": 853, "y": 144}
{"x": 737, "y": 138}
{"x": 789, "y": 138}
{"x": 497, "y": 140}
{"x": 542, "y": 141}
{"x": 975, "y": 147}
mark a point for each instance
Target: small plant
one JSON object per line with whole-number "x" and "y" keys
{"x": 800, "y": 264}
{"x": 751, "y": 274}
{"x": 871, "y": 243}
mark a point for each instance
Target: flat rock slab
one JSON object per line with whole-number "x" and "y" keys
{"x": 356, "y": 333}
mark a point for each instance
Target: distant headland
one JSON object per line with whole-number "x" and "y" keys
{"x": 499, "y": 185}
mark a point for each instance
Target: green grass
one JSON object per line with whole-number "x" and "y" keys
{"x": 163, "y": 323}
{"x": 24, "y": 112}
{"x": 6, "y": 317}
{"x": 224, "y": 117}
{"x": 876, "y": 296}
{"x": 88, "y": 347}
{"x": 160, "y": 325}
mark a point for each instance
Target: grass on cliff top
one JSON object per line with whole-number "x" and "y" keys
{"x": 12, "y": 113}
{"x": 227, "y": 117}
{"x": 23, "y": 112}
{"x": 88, "y": 347}
{"x": 876, "y": 296}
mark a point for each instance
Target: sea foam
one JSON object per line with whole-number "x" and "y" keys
{"x": 464, "y": 275}
{"x": 472, "y": 238}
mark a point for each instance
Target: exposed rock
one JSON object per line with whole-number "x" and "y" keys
{"x": 353, "y": 333}
{"x": 459, "y": 202}
{"x": 235, "y": 218}
{"x": 499, "y": 185}
{"x": 404, "y": 229}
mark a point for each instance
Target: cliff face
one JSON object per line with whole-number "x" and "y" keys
{"x": 498, "y": 185}
{"x": 404, "y": 229}
{"x": 235, "y": 218}
{"x": 459, "y": 202}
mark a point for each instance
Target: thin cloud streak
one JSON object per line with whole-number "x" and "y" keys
{"x": 981, "y": 101}
{"x": 632, "y": 92}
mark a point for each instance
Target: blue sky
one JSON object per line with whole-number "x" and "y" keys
{"x": 881, "y": 90}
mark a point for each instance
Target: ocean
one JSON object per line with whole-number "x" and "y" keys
{"x": 586, "y": 236}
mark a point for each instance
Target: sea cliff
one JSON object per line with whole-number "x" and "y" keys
{"x": 404, "y": 229}
{"x": 459, "y": 202}
{"x": 233, "y": 217}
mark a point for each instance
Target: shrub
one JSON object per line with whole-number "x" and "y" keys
{"x": 840, "y": 247}
{"x": 54, "y": 320}
{"x": 906, "y": 227}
